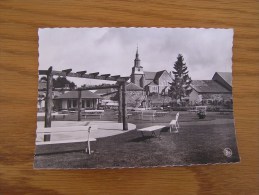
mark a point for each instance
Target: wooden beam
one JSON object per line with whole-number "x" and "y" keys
{"x": 57, "y": 89}
{"x": 124, "y": 107}
{"x": 114, "y": 92}
{"x": 105, "y": 75}
{"x": 67, "y": 71}
{"x": 43, "y": 72}
{"x": 94, "y": 74}
{"x": 79, "y": 103}
{"x": 116, "y": 77}
{"x": 123, "y": 79}
{"x": 120, "y": 104}
{"x": 81, "y": 72}
{"x": 48, "y": 101}
{"x": 86, "y": 76}
{"x": 100, "y": 87}
{"x": 115, "y": 86}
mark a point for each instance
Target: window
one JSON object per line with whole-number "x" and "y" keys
{"x": 88, "y": 104}
{"x": 74, "y": 103}
{"x": 210, "y": 101}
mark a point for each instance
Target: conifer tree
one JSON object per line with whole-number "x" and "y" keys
{"x": 180, "y": 87}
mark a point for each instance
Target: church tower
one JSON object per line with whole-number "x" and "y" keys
{"x": 137, "y": 74}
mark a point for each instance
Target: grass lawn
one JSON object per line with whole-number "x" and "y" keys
{"x": 198, "y": 142}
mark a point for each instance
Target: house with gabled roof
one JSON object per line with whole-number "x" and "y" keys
{"x": 219, "y": 89}
{"x": 151, "y": 82}
{"x": 69, "y": 100}
{"x": 223, "y": 78}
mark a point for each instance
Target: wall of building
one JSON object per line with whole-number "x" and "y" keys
{"x": 153, "y": 89}
{"x": 134, "y": 98}
{"x": 221, "y": 81}
{"x": 163, "y": 82}
{"x": 64, "y": 103}
{"x": 138, "y": 79}
{"x": 194, "y": 97}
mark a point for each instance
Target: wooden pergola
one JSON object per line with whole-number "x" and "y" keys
{"x": 120, "y": 86}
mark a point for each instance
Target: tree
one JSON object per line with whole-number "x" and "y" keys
{"x": 44, "y": 78}
{"x": 180, "y": 87}
{"x": 61, "y": 82}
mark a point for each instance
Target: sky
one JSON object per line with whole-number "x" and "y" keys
{"x": 112, "y": 50}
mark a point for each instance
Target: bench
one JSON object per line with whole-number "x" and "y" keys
{"x": 98, "y": 113}
{"x": 161, "y": 113}
{"x": 152, "y": 129}
{"x": 193, "y": 111}
{"x": 128, "y": 115}
{"x": 56, "y": 114}
{"x": 48, "y": 132}
{"x": 148, "y": 114}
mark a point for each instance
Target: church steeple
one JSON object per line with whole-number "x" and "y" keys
{"x": 137, "y": 74}
{"x": 137, "y": 60}
{"x": 137, "y": 53}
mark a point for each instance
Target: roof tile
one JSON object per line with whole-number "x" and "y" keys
{"x": 208, "y": 86}
{"x": 74, "y": 95}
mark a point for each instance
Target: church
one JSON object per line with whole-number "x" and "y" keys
{"x": 151, "y": 82}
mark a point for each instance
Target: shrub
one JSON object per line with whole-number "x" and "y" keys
{"x": 201, "y": 114}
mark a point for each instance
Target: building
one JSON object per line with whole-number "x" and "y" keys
{"x": 69, "y": 100}
{"x": 215, "y": 91}
{"x": 42, "y": 88}
{"x": 224, "y": 79}
{"x": 157, "y": 82}
{"x": 42, "y": 85}
{"x": 151, "y": 82}
{"x": 135, "y": 95}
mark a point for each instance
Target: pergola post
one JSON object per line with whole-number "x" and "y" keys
{"x": 120, "y": 103}
{"x": 48, "y": 100}
{"x": 124, "y": 107}
{"x": 79, "y": 104}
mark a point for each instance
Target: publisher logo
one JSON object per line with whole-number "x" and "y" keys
{"x": 227, "y": 152}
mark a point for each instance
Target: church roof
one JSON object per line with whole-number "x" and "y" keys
{"x": 150, "y": 75}
{"x": 153, "y": 75}
{"x": 129, "y": 87}
{"x": 133, "y": 87}
{"x": 151, "y": 83}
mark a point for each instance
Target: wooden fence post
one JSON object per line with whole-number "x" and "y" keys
{"x": 124, "y": 107}
{"x": 48, "y": 102}
{"x": 120, "y": 104}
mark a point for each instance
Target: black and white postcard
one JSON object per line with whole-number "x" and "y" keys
{"x": 134, "y": 97}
